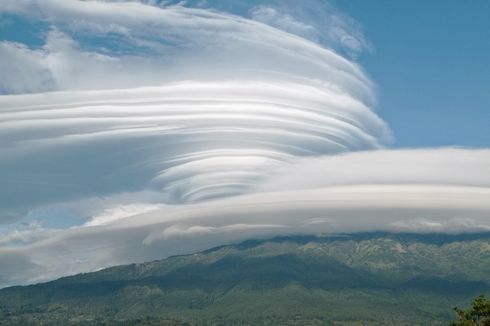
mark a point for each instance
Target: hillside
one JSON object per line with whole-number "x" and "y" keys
{"x": 361, "y": 279}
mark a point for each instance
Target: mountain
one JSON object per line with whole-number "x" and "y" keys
{"x": 358, "y": 279}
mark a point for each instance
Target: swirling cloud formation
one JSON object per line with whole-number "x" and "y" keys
{"x": 132, "y": 131}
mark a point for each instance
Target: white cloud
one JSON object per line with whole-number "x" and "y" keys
{"x": 188, "y": 228}
{"x": 223, "y": 99}
{"x": 21, "y": 71}
{"x": 452, "y": 225}
{"x": 187, "y": 140}
{"x": 112, "y": 214}
{"x": 28, "y": 233}
{"x": 439, "y": 166}
{"x": 286, "y": 22}
{"x": 197, "y": 230}
{"x": 319, "y": 22}
{"x": 140, "y": 45}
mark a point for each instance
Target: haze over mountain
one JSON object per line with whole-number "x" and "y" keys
{"x": 132, "y": 131}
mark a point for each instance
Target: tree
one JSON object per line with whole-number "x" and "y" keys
{"x": 477, "y": 315}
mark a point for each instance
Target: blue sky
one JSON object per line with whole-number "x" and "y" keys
{"x": 431, "y": 63}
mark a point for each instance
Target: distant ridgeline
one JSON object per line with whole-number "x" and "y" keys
{"x": 368, "y": 279}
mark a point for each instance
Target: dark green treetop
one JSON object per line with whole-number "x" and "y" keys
{"x": 477, "y": 315}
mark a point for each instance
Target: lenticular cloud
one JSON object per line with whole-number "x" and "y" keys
{"x": 189, "y": 140}
{"x": 131, "y": 132}
{"x": 216, "y": 103}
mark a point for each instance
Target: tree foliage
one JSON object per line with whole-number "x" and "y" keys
{"x": 477, "y": 315}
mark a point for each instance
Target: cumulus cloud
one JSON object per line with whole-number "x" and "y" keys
{"x": 161, "y": 128}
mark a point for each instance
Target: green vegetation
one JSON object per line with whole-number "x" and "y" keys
{"x": 362, "y": 279}
{"x": 477, "y": 315}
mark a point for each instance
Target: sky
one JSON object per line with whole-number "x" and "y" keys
{"x": 430, "y": 60}
{"x": 131, "y": 131}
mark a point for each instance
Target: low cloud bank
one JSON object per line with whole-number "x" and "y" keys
{"x": 181, "y": 230}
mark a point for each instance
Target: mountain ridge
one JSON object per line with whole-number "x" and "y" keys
{"x": 369, "y": 278}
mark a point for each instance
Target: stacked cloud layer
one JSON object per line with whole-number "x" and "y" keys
{"x": 230, "y": 99}
{"x": 162, "y": 129}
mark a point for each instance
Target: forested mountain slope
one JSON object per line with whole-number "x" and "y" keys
{"x": 360, "y": 279}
